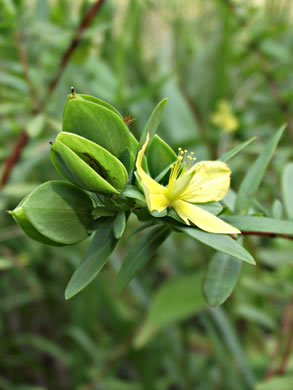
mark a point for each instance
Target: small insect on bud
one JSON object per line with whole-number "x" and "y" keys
{"x": 128, "y": 119}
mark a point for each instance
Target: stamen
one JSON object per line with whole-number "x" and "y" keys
{"x": 181, "y": 166}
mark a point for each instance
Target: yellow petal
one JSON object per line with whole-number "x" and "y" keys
{"x": 210, "y": 182}
{"x": 202, "y": 218}
{"x": 154, "y": 192}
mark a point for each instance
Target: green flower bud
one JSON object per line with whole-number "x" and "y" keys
{"x": 98, "y": 121}
{"x": 87, "y": 164}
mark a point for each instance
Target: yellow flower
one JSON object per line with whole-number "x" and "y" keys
{"x": 206, "y": 181}
{"x": 224, "y": 117}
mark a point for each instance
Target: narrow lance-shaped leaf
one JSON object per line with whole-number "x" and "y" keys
{"x": 140, "y": 254}
{"x": 234, "y": 344}
{"x": 287, "y": 189}
{"x": 254, "y": 176}
{"x": 153, "y": 122}
{"x": 220, "y": 242}
{"x": 221, "y": 277}
{"x": 261, "y": 224}
{"x": 101, "y": 247}
{"x": 231, "y": 153}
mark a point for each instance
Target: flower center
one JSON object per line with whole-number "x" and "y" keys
{"x": 181, "y": 174}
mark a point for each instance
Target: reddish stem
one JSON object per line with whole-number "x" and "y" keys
{"x": 12, "y": 160}
{"x": 74, "y": 43}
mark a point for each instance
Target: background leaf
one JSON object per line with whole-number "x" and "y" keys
{"x": 153, "y": 122}
{"x": 176, "y": 300}
{"x": 221, "y": 277}
{"x": 287, "y": 187}
{"x": 254, "y": 176}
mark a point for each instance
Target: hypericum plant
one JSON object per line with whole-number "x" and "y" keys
{"x": 111, "y": 174}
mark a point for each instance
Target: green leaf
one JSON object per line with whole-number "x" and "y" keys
{"x": 58, "y": 211}
{"x": 98, "y": 159}
{"x": 138, "y": 256}
{"x": 159, "y": 157}
{"x": 221, "y": 277}
{"x": 176, "y": 300}
{"x": 233, "y": 344}
{"x": 162, "y": 176}
{"x": 101, "y": 125}
{"x": 101, "y": 247}
{"x": 133, "y": 192}
{"x": 43, "y": 345}
{"x": 227, "y": 156}
{"x": 102, "y": 211}
{"x": 220, "y": 242}
{"x": 179, "y": 123}
{"x": 77, "y": 171}
{"x": 153, "y": 122}
{"x": 99, "y": 101}
{"x": 277, "y": 209}
{"x": 36, "y": 125}
{"x": 255, "y": 173}
{"x": 261, "y": 224}
{"x": 276, "y": 383}
{"x": 20, "y": 217}
{"x": 287, "y": 189}
{"x": 256, "y": 315}
{"x": 119, "y": 225}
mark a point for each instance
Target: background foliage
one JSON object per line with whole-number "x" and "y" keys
{"x": 159, "y": 333}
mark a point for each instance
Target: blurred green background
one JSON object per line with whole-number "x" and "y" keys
{"x": 226, "y": 68}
